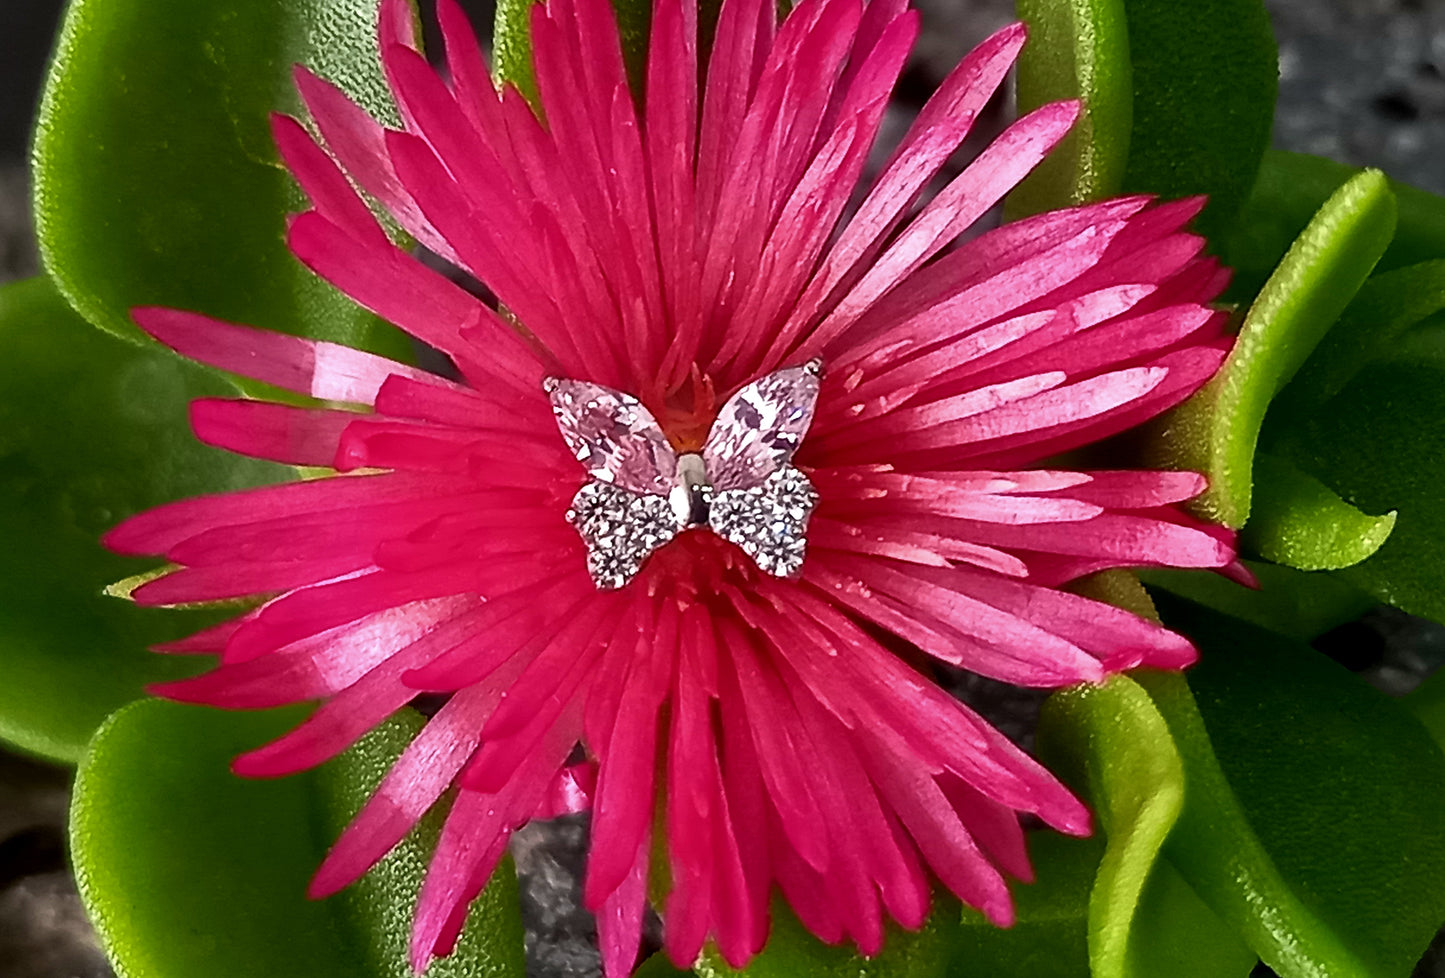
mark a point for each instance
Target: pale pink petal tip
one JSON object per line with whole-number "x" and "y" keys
{"x": 705, "y": 291}
{"x": 1237, "y": 572}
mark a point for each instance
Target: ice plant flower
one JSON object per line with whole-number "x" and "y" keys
{"x": 657, "y": 257}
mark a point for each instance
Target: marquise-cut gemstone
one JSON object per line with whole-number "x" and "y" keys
{"x": 760, "y": 426}
{"x": 614, "y": 437}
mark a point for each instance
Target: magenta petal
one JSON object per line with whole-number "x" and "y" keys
{"x": 296, "y": 436}
{"x": 355, "y": 139}
{"x": 571, "y": 792}
{"x": 971, "y": 194}
{"x": 619, "y": 918}
{"x": 313, "y": 367}
{"x": 414, "y": 783}
{"x": 689, "y": 250}
{"x": 466, "y": 64}
{"x": 942, "y": 838}
{"x": 919, "y": 156}
{"x": 323, "y": 181}
{"x": 624, "y": 804}
{"x": 389, "y": 283}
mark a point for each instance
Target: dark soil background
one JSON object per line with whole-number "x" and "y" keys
{"x": 1362, "y": 81}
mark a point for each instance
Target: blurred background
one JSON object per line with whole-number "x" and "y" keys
{"x": 1361, "y": 81}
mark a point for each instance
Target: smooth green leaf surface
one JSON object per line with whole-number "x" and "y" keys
{"x": 1311, "y": 823}
{"x": 1175, "y": 933}
{"x": 1381, "y": 445}
{"x": 1290, "y": 189}
{"x": 1427, "y": 703}
{"x": 92, "y": 430}
{"x": 1178, "y": 100}
{"x": 1117, "y": 747}
{"x": 1215, "y": 432}
{"x": 1111, "y": 741}
{"x": 1172, "y": 933}
{"x": 1078, "y": 49}
{"x": 189, "y": 870}
{"x": 1205, "y": 75}
{"x": 1050, "y": 937}
{"x": 1372, "y": 324}
{"x": 1297, "y": 521}
{"x": 156, "y": 181}
{"x": 1296, "y": 603}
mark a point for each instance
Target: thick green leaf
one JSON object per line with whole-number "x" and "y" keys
{"x": 1372, "y": 324}
{"x": 1381, "y": 445}
{"x": 1427, "y": 702}
{"x": 1205, "y": 75}
{"x": 1116, "y": 746}
{"x": 1172, "y": 933}
{"x": 1050, "y": 937}
{"x": 1296, "y": 603}
{"x": 188, "y": 870}
{"x": 1312, "y": 818}
{"x": 1078, "y": 49}
{"x": 1290, "y": 189}
{"x": 658, "y": 966}
{"x": 512, "y": 42}
{"x": 1111, "y": 742}
{"x": 1215, "y": 432}
{"x": 512, "y": 47}
{"x": 1178, "y": 100}
{"x": 156, "y": 182}
{"x": 1175, "y": 933}
{"x": 92, "y": 430}
{"x": 1297, "y": 521}
{"x": 377, "y": 910}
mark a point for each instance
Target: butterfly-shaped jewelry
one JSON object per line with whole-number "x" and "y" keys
{"x": 641, "y": 492}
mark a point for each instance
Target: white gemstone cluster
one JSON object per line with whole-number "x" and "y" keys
{"x": 620, "y": 529}
{"x": 642, "y": 493}
{"x": 769, "y": 522}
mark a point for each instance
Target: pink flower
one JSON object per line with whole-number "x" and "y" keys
{"x": 674, "y": 252}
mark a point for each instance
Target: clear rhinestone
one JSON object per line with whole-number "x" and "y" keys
{"x": 760, "y": 427}
{"x": 621, "y": 529}
{"x": 613, "y": 436}
{"x": 769, "y": 522}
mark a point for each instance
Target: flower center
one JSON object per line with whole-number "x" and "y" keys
{"x": 687, "y": 414}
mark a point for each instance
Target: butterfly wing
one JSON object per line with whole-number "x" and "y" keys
{"x": 769, "y": 521}
{"x": 760, "y": 427}
{"x": 621, "y": 529}
{"x": 616, "y": 439}
{"x": 622, "y": 512}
